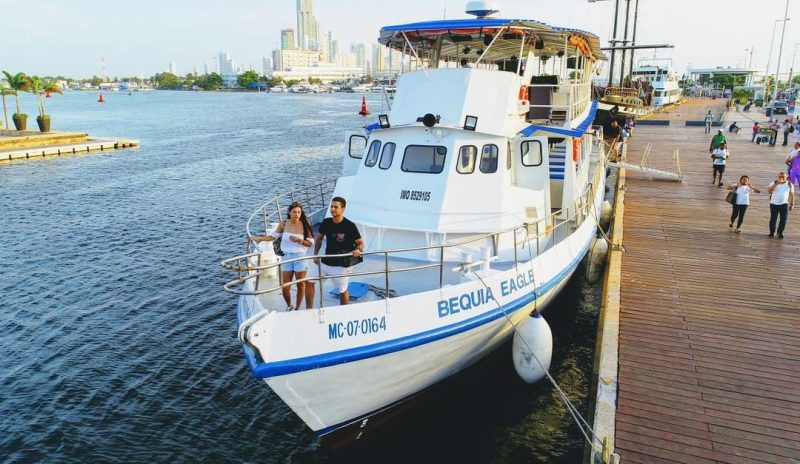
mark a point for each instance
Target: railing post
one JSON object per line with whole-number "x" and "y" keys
{"x": 258, "y": 271}
{"x": 278, "y": 209}
{"x": 319, "y": 276}
{"x": 441, "y": 266}
{"x": 515, "y": 246}
{"x": 386, "y": 272}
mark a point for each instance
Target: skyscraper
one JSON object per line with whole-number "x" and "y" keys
{"x": 287, "y": 39}
{"x": 306, "y": 26}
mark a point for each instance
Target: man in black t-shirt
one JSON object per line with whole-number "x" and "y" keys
{"x": 342, "y": 237}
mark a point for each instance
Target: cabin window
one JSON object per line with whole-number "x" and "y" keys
{"x": 356, "y": 146}
{"x": 387, "y": 156}
{"x": 466, "y": 159}
{"x": 372, "y": 154}
{"x": 508, "y": 156}
{"x": 489, "y": 159}
{"x": 424, "y": 158}
{"x": 531, "y": 151}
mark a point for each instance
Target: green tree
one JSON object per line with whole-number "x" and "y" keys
{"x": 3, "y": 92}
{"x": 275, "y": 80}
{"x": 211, "y": 81}
{"x": 246, "y": 78}
{"x": 39, "y": 88}
{"x": 168, "y": 81}
{"x": 18, "y": 82}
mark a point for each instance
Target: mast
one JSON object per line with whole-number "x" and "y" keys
{"x": 613, "y": 44}
{"x": 624, "y": 42}
{"x": 633, "y": 39}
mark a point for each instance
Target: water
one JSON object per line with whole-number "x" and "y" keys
{"x": 118, "y": 344}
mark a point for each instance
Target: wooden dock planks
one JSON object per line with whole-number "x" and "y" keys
{"x": 709, "y": 340}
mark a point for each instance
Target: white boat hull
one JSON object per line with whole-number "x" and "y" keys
{"x": 365, "y": 373}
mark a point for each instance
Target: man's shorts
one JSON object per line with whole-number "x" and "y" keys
{"x": 720, "y": 168}
{"x": 339, "y": 283}
{"x": 296, "y": 266}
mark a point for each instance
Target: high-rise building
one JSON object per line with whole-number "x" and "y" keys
{"x": 287, "y": 39}
{"x": 306, "y": 26}
{"x": 172, "y": 68}
{"x": 360, "y": 51}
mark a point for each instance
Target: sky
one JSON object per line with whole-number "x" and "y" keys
{"x": 141, "y": 37}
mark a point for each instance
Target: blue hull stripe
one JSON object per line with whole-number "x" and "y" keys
{"x": 557, "y": 176}
{"x": 274, "y": 369}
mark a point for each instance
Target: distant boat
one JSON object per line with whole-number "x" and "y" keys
{"x": 664, "y": 81}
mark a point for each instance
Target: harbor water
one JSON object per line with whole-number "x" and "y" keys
{"x": 118, "y": 344}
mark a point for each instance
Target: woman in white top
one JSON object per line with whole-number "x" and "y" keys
{"x": 781, "y": 201}
{"x": 720, "y": 157}
{"x": 296, "y": 236}
{"x": 742, "y": 190}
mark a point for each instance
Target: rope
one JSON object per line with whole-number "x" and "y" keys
{"x": 579, "y": 420}
{"x": 382, "y": 293}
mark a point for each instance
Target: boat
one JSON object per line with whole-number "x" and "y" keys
{"x": 662, "y": 79}
{"x": 477, "y": 196}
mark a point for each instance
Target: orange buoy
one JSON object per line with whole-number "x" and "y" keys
{"x": 364, "y": 111}
{"x": 101, "y": 99}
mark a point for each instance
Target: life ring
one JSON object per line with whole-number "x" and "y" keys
{"x": 576, "y": 150}
{"x": 523, "y": 92}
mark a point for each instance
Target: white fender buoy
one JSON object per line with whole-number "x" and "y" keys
{"x": 596, "y": 260}
{"x": 533, "y": 337}
{"x": 605, "y": 215}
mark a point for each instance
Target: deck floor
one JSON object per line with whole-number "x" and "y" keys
{"x": 709, "y": 341}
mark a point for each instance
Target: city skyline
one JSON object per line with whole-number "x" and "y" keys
{"x": 55, "y": 37}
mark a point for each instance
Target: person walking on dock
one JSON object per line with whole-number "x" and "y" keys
{"x": 741, "y": 201}
{"x": 716, "y": 141}
{"x": 756, "y": 127}
{"x": 781, "y": 201}
{"x": 720, "y": 157}
{"x": 708, "y": 120}
{"x": 787, "y": 128}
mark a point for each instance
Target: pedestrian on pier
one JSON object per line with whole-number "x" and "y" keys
{"x": 741, "y": 201}
{"x": 708, "y": 120}
{"x": 787, "y": 128}
{"x": 716, "y": 141}
{"x": 781, "y": 201}
{"x": 756, "y": 127}
{"x": 720, "y": 156}
{"x": 793, "y": 163}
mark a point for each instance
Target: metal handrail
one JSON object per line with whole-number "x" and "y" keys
{"x": 321, "y": 191}
{"x": 577, "y": 211}
{"x": 578, "y": 98}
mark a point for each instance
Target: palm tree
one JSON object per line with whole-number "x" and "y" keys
{"x": 18, "y": 82}
{"x": 3, "y": 92}
{"x": 39, "y": 88}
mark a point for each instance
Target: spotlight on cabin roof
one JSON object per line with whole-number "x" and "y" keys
{"x": 483, "y": 8}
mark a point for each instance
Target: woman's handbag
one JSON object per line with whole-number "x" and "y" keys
{"x": 731, "y": 198}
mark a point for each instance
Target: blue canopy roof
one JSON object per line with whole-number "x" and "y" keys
{"x": 474, "y": 31}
